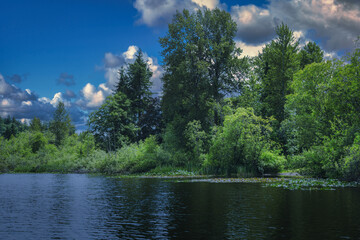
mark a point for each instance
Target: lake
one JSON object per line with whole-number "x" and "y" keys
{"x": 79, "y": 206}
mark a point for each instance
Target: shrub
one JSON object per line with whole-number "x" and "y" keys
{"x": 351, "y": 169}
{"x": 240, "y": 143}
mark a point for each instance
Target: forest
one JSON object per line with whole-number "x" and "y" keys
{"x": 220, "y": 113}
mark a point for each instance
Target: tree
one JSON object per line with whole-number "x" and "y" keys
{"x": 134, "y": 82}
{"x": 277, "y": 64}
{"x": 35, "y": 125}
{"x": 201, "y": 64}
{"x": 311, "y": 53}
{"x": 275, "y": 67}
{"x": 61, "y": 125}
{"x": 112, "y": 124}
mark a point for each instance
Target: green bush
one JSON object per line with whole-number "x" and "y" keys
{"x": 351, "y": 169}
{"x": 271, "y": 162}
{"x": 243, "y": 141}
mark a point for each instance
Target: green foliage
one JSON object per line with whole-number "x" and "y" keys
{"x": 271, "y": 161}
{"x": 276, "y": 67}
{"x": 196, "y": 140}
{"x": 311, "y": 53}
{"x": 351, "y": 167}
{"x": 111, "y": 124}
{"x": 11, "y": 127}
{"x": 134, "y": 83}
{"x": 37, "y": 141}
{"x": 243, "y": 141}
{"x": 61, "y": 126}
{"x": 201, "y": 65}
{"x": 35, "y": 125}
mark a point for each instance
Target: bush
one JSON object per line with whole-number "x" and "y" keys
{"x": 351, "y": 169}
{"x": 271, "y": 162}
{"x": 243, "y": 141}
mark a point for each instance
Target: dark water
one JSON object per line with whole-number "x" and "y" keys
{"x": 45, "y": 206}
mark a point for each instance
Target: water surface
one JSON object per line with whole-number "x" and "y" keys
{"x": 74, "y": 206}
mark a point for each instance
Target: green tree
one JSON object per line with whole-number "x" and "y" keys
{"x": 201, "y": 64}
{"x": 134, "y": 82}
{"x": 35, "y": 125}
{"x": 61, "y": 125}
{"x": 277, "y": 64}
{"x": 112, "y": 124}
{"x": 311, "y": 53}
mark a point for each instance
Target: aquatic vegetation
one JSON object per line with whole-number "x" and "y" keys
{"x": 285, "y": 183}
{"x": 312, "y": 184}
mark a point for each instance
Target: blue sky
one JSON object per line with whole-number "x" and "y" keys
{"x": 70, "y": 50}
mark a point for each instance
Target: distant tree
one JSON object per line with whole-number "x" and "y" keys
{"x": 61, "y": 125}
{"x": 112, "y": 124}
{"x": 277, "y": 64}
{"x": 201, "y": 64}
{"x": 134, "y": 82}
{"x": 35, "y": 125}
{"x": 150, "y": 122}
{"x": 311, "y": 53}
{"x": 11, "y": 127}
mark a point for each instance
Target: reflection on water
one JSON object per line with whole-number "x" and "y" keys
{"x": 71, "y": 206}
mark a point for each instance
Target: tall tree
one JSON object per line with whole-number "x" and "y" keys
{"x": 112, "y": 124}
{"x": 277, "y": 65}
{"x": 311, "y": 53}
{"x": 35, "y": 125}
{"x": 61, "y": 125}
{"x": 200, "y": 61}
{"x": 134, "y": 82}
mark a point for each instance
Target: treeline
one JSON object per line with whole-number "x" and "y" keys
{"x": 219, "y": 112}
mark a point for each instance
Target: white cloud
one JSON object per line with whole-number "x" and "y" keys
{"x": 112, "y": 70}
{"x": 210, "y": 4}
{"x": 7, "y": 103}
{"x": 44, "y": 100}
{"x": 160, "y": 12}
{"x": 335, "y": 23}
{"x": 130, "y": 53}
{"x": 250, "y": 50}
{"x": 26, "y": 103}
{"x": 92, "y": 97}
{"x": 59, "y": 98}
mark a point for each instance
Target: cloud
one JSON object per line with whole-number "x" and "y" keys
{"x": 210, "y": 4}
{"x": 66, "y": 79}
{"x": 16, "y": 78}
{"x": 160, "y": 12}
{"x": 111, "y": 60}
{"x": 333, "y": 23}
{"x": 69, "y": 94}
{"x": 93, "y": 97}
{"x": 24, "y": 104}
{"x": 254, "y": 24}
{"x": 250, "y": 50}
{"x": 111, "y": 69}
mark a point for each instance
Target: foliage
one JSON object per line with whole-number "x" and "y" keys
{"x": 276, "y": 67}
{"x": 61, "y": 125}
{"x": 352, "y": 161}
{"x": 111, "y": 124}
{"x": 11, "y": 127}
{"x": 196, "y": 142}
{"x": 243, "y": 141}
{"x": 35, "y": 125}
{"x": 311, "y": 53}
{"x": 201, "y": 64}
{"x": 134, "y": 83}
{"x": 311, "y": 184}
